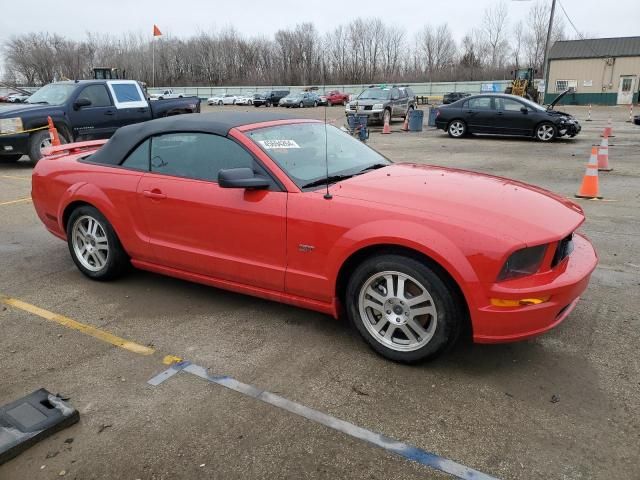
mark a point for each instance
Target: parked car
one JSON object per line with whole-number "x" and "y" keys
{"x": 269, "y": 99}
{"x": 636, "y": 119}
{"x": 169, "y": 93}
{"x": 301, "y": 99}
{"x": 453, "y": 97}
{"x": 230, "y": 99}
{"x": 322, "y": 99}
{"x": 85, "y": 109}
{"x": 5, "y": 98}
{"x": 503, "y": 114}
{"x": 407, "y": 251}
{"x": 244, "y": 99}
{"x": 215, "y": 100}
{"x": 336, "y": 97}
{"x": 17, "y": 98}
{"x": 381, "y": 104}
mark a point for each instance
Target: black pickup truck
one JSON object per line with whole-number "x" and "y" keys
{"x": 80, "y": 110}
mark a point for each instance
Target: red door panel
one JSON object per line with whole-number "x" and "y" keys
{"x": 228, "y": 233}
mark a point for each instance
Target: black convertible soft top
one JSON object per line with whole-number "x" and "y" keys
{"x": 127, "y": 138}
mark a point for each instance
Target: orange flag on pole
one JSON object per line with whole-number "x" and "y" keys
{"x": 156, "y": 31}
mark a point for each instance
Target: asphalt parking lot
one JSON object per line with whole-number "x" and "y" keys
{"x": 565, "y": 405}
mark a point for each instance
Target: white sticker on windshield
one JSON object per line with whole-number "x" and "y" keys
{"x": 271, "y": 144}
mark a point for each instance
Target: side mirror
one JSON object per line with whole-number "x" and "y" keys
{"x": 524, "y": 110}
{"x": 81, "y": 102}
{"x": 241, "y": 178}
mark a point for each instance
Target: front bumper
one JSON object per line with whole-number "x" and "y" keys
{"x": 563, "y": 285}
{"x": 373, "y": 115}
{"x": 14, "y": 144}
{"x": 570, "y": 129}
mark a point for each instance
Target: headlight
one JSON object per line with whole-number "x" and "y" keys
{"x": 378, "y": 106}
{"x": 11, "y": 125}
{"x": 348, "y": 106}
{"x": 525, "y": 261}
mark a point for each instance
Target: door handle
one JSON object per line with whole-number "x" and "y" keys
{"x": 109, "y": 112}
{"x": 469, "y": 111}
{"x": 142, "y": 110}
{"x": 499, "y": 113}
{"x": 155, "y": 194}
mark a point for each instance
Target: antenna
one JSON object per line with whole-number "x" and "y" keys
{"x": 327, "y": 195}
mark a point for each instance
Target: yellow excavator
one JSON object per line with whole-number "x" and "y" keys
{"x": 523, "y": 85}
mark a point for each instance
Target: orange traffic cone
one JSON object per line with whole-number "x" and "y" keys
{"x": 53, "y": 133}
{"x": 387, "y": 128}
{"x": 608, "y": 130}
{"x": 405, "y": 125}
{"x": 589, "y": 187}
{"x": 603, "y": 156}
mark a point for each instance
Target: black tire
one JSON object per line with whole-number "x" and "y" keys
{"x": 447, "y": 323}
{"x": 220, "y": 103}
{"x": 457, "y": 128}
{"x": 117, "y": 261}
{"x": 35, "y": 144}
{"x": 315, "y": 104}
{"x": 10, "y": 158}
{"x": 301, "y": 105}
{"x": 546, "y": 132}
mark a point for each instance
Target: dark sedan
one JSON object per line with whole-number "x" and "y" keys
{"x": 501, "y": 114}
{"x": 454, "y": 97}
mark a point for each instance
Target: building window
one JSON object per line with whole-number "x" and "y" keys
{"x": 562, "y": 85}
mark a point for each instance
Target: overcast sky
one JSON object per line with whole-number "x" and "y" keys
{"x": 73, "y": 18}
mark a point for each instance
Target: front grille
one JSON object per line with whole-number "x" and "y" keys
{"x": 565, "y": 247}
{"x": 368, "y": 107}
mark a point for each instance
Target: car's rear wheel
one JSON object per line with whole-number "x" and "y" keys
{"x": 301, "y": 104}
{"x": 457, "y": 129}
{"x": 220, "y": 102}
{"x": 545, "y": 132}
{"x": 403, "y": 308}
{"x": 94, "y": 245}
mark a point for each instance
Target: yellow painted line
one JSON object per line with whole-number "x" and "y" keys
{"x": 81, "y": 327}
{"x": 15, "y": 177}
{"x": 20, "y": 200}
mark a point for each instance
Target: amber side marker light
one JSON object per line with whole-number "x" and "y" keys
{"x": 499, "y": 302}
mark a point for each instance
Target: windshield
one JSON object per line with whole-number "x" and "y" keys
{"x": 375, "y": 94}
{"x": 53, "y": 94}
{"x": 299, "y": 149}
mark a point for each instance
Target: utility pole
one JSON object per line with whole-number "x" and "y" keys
{"x": 545, "y": 62}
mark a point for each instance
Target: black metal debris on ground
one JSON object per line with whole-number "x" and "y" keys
{"x": 31, "y": 419}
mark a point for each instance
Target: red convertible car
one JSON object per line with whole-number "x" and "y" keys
{"x": 299, "y": 212}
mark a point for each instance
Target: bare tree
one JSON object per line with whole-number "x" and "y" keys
{"x": 438, "y": 48}
{"x": 494, "y": 30}
{"x": 536, "y": 33}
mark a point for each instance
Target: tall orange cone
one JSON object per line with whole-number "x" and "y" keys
{"x": 608, "y": 130}
{"x": 387, "y": 128}
{"x": 589, "y": 187}
{"x": 53, "y": 133}
{"x": 405, "y": 125}
{"x": 603, "y": 156}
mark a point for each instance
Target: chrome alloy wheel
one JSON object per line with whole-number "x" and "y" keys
{"x": 45, "y": 143}
{"x": 456, "y": 128}
{"x": 545, "y": 132}
{"x": 90, "y": 243}
{"x": 397, "y": 311}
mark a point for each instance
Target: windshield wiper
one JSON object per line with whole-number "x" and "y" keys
{"x": 325, "y": 180}
{"x": 39, "y": 103}
{"x": 375, "y": 166}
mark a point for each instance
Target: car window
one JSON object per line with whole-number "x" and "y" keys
{"x": 126, "y": 92}
{"x": 97, "y": 95}
{"x": 480, "y": 103}
{"x": 196, "y": 155}
{"x": 139, "y": 158}
{"x": 509, "y": 105}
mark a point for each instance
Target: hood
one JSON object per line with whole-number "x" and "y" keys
{"x": 501, "y": 206}
{"x": 558, "y": 98}
{"x": 15, "y": 109}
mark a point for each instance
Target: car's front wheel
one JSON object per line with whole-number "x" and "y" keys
{"x": 457, "y": 129}
{"x": 545, "y": 132}
{"x": 301, "y": 105}
{"x": 94, "y": 245}
{"x": 38, "y": 142}
{"x": 403, "y": 308}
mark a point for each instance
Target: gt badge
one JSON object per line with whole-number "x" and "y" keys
{"x": 305, "y": 248}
